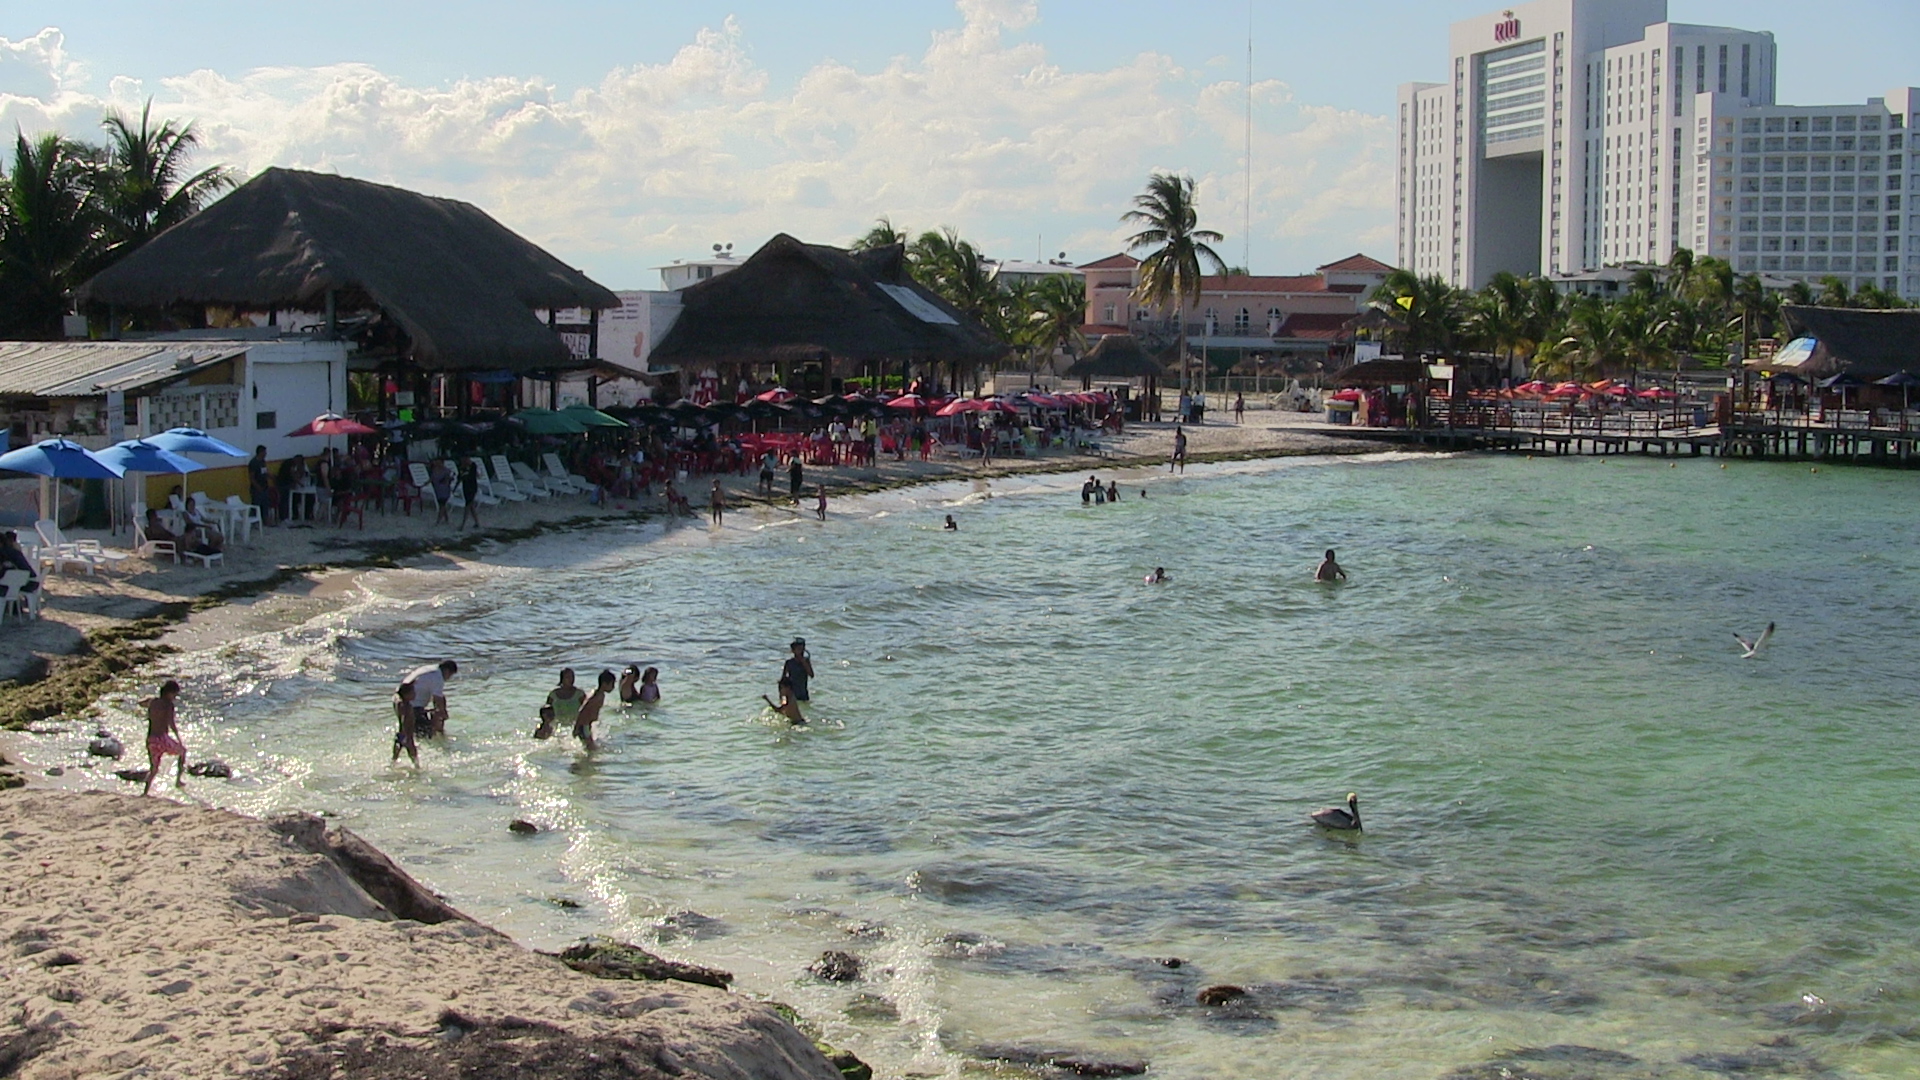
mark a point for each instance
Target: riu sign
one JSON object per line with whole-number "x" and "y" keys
{"x": 1508, "y": 29}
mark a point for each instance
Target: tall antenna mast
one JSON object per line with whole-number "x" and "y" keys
{"x": 1246, "y": 252}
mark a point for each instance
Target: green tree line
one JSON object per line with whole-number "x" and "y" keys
{"x": 69, "y": 209}
{"x": 1693, "y": 309}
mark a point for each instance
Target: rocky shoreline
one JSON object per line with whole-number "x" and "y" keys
{"x": 146, "y": 937}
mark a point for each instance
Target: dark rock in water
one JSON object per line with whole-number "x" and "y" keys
{"x": 105, "y": 745}
{"x": 687, "y": 924}
{"x": 132, "y": 776}
{"x": 619, "y": 960}
{"x": 1586, "y": 1055}
{"x": 1068, "y": 1061}
{"x": 1221, "y": 995}
{"x": 212, "y": 767}
{"x": 851, "y": 1067}
{"x": 871, "y": 1007}
{"x": 1172, "y": 962}
{"x": 564, "y": 902}
{"x": 836, "y": 966}
{"x": 56, "y": 770}
{"x": 522, "y": 827}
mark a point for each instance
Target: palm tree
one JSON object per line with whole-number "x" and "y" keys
{"x": 1800, "y": 293}
{"x": 1594, "y": 342}
{"x": 1171, "y": 277}
{"x": 1424, "y": 311}
{"x": 883, "y": 234}
{"x": 1497, "y": 315}
{"x": 144, "y": 189}
{"x": 1833, "y": 293}
{"x": 49, "y": 232}
{"x": 1755, "y": 310}
{"x": 1057, "y": 309}
{"x": 955, "y": 269}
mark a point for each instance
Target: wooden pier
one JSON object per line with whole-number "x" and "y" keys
{"x": 1757, "y": 438}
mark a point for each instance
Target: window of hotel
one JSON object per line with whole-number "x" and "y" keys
{"x": 1843, "y": 123}
{"x": 1822, "y": 123}
{"x": 1818, "y": 224}
{"x": 1771, "y": 224}
{"x": 1869, "y": 123}
{"x": 1242, "y": 321}
{"x": 1750, "y": 124}
{"x": 1796, "y": 204}
{"x": 1796, "y": 224}
{"x": 1771, "y": 205}
{"x": 1822, "y": 164}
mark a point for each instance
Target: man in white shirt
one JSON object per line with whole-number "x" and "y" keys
{"x": 430, "y": 697}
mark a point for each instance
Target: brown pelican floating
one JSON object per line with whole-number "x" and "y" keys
{"x": 1334, "y": 817}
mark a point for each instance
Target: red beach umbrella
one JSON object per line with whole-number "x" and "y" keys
{"x": 331, "y": 424}
{"x": 961, "y": 405}
{"x": 1655, "y": 394}
{"x": 908, "y": 401}
{"x": 779, "y": 395}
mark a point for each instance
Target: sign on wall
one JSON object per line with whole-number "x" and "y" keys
{"x": 1507, "y": 29}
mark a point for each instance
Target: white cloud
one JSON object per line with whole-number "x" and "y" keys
{"x": 981, "y": 131}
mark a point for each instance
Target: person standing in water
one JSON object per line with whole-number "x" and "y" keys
{"x": 405, "y": 736}
{"x": 430, "y": 697}
{"x": 629, "y": 685}
{"x": 798, "y": 669}
{"x": 650, "y": 686}
{"x": 952, "y": 525}
{"x": 821, "y": 506}
{"x": 717, "y": 505}
{"x": 1179, "y": 458}
{"x": 562, "y": 707}
{"x": 163, "y": 735}
{"x": 590, "y": 710}
{"x": 1113, "y": 491}
{"x": 1158, "y": 577}
{"x": 1329, "y": 569}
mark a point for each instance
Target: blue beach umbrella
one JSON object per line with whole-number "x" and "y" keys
{"x": 186, "y": 440}
{"x": 62, "y": 460}
{"x": 137, "y": 456}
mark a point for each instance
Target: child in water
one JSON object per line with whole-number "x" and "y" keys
{"x": 405, "y": 737}
{"x": 787, "y": 707}
{"x": 650, "y": 686}
{"x": 163, "y": 735}
{"x": 590, "y": 710}
{"x": 630, "y": 685}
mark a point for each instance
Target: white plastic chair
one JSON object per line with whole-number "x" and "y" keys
{"x": 503, "y": 474}
{"x": 242, "y": 518}
{"x": 143, "y": 545}
{"x": 14, "y": 597}
{"x": 558, "y": 473}
{"x": 495, "y": 489}
{"x": 422, "y": 479}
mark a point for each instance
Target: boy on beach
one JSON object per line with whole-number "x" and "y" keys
{"x": 404, "y": 736}
{"x": 163, "y": 735}
{"x": 590, "y": 710}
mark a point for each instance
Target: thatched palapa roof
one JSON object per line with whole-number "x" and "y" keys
{"x": 1865, "y": 343}
{"x": 1117, "y": 356}
{"x": 461, "y": 286}
{"x": 795, "y": 301}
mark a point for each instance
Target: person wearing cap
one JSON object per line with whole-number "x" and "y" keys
{"x": 798, "y": 669}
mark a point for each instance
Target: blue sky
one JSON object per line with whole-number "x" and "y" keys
{"x": 623, "y": 135}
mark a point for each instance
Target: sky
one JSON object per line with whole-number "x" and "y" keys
{"x": 622, "y": 136}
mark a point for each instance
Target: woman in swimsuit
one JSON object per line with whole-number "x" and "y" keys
{"x": 163, "y": 735}
{"x": 630, "y": 685}
{"x": 563, "y": 706}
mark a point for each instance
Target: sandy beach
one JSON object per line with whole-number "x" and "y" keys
{"x": 145, "y": 937}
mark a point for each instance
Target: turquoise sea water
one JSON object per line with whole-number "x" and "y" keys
{"x": 1590, "y": 823}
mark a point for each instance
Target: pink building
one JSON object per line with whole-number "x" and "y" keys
{"x": 1300, "y": 314}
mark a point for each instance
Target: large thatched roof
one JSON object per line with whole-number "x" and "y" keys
{"x": 1869, "y": 344}
{"x": 792, "y": 301}
{"x": 1117, "y": 356}
{"x": 461, "y": 286}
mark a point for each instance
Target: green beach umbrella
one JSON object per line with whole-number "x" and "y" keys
{"x": 588, "y": 416}
{"x": 547, "y": 422}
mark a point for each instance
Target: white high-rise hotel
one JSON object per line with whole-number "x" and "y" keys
{"x": 1576, "y": 134}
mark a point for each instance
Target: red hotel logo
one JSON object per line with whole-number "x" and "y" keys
{"x": 1507, "y": 29}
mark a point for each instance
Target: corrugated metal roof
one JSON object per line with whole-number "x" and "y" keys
{"x": 91, "y": 368}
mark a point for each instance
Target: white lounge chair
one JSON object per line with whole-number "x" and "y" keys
{"x": 496, "y": 491}
{"x": 503, "y": 476}
{"x": 146, "y": 547}
{"x": 558, "y": 472}
{"x": 57, "y": 551}
{"x": 14, "y": 597}
{"x": 524, "y": 475}
{"x": 483, "y": 495}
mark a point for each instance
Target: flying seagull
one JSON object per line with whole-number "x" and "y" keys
{"x": 1751, "y": 649}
